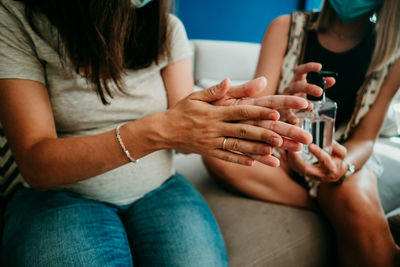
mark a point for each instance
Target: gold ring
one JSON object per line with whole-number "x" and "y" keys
{"x": 224, "y": 143}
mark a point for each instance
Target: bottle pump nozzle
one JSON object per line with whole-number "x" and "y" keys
{"x": 317, "y": 78}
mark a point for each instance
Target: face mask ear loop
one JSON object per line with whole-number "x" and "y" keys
{"x": 373, "y": 18}
{"x": 140, "y": 3}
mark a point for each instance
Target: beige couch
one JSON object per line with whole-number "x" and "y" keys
{"x": 259, "y": 233}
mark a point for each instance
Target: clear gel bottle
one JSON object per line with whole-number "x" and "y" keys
{"x": 320, "y": 121}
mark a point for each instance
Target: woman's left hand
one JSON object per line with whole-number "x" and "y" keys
{"x": 330, "y": 168}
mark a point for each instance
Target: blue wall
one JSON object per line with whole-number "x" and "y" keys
{"x": 234, "y": 20}
{"x": 313, "y": 4}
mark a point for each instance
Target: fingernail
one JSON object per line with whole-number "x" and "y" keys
{"x": 276, "y": 115}
{"x": 297, "y": 147}
{"x": 222, "y": 84}
{"x": 276, "y": 141}
{"x": 317, "y": 91}
{"x": 267, "y": 150}
{"x": 310, "y": 138}
{"x": 264, "y": 80}
{"x": 294, "y": 121}
{"x": 250, "y": 162}
{"x": 305, "y": 138}
{"x": 273, "y": 116}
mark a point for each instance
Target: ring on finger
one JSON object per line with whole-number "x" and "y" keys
{"x": 224, "y": 143}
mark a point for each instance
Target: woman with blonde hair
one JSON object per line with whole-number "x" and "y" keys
{"x": 359, "y": 40}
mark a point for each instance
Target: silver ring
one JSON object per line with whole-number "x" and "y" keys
{"x": 224, "y": 143}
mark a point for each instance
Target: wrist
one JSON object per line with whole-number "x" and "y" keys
{"x": 143, "y": 136}
{"x": 349, "y": 170}
{"x": 122, "y": 144}
{"x": 170, "y": 130}
{"x": 161, "y": 131}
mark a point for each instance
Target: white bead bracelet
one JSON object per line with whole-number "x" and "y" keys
{"x": 123, "y": 146}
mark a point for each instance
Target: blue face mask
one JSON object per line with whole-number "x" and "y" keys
{"x": 140, "y": 3}
{"x": 349, "y": 10}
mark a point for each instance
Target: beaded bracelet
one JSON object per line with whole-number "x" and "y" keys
{"x": 123, "y": 146}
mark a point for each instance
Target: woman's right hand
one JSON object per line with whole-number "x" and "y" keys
{"x": 330, "y": 167}
{"x": 195, "y": 125}
{"x": 300, "y": 87}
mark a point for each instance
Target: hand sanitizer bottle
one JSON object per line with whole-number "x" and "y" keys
{"x": 320, "y": 121}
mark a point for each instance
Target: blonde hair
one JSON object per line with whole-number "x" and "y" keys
{"x": 387, "y": 45}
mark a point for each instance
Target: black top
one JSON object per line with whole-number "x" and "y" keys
{"x": 351, "y": 67}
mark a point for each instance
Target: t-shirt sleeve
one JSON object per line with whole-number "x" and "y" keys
{"x": 18, "y": 58}
{"x": 180, "y": 47}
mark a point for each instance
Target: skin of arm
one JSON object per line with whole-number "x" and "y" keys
{"x": 361, "y": 143}
{"x": 272, "y": 53}
{"x": 178, "y": 80}
{"x": 46, "y": 161}
{"x": 192, "y": 124}
{"x": 100, "y": 153}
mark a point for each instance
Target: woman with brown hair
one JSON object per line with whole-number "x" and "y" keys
{"x": 359, "y": 40}
{"x": 94, "y": 95}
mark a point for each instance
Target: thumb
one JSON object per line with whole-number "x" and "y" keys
{"x": 283, "y": 154}
{"x": 249, "y": 89}
{"x": 213, "y": 93}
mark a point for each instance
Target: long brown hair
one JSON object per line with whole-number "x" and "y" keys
{"x": 387, "y": 46}
{"x": 103, "y": 38}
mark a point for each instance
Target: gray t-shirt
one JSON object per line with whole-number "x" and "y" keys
{"x": 78, "y": 110}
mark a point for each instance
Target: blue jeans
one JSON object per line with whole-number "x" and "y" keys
{"x": 170, "y": 226}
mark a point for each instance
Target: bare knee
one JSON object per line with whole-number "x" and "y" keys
{"x": 355, "y": 202}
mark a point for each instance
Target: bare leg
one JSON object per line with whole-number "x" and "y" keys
{"x": 362, "y": 231}
{"x": 261, "y": 182}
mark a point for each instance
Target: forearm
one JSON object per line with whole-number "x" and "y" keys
{"x": 361, "y": 144}
{"x": 359, "y": 151}
{"x": 54, "y": 162}
{"x": 192, "y": 125}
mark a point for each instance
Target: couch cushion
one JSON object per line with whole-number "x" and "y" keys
{"x": 217, "y": 60}
{"x": 391, "y": 124}
{"x": 388, "y": 151}
{"x": 394, "y": 223}
{"x": 259, "y": 233}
